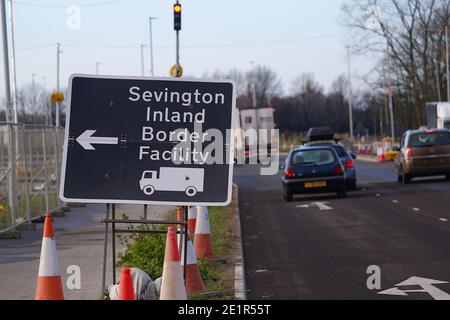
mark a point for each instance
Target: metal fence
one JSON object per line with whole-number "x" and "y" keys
{"x": 30, "y": 162}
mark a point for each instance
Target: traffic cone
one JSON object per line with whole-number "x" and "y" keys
{"x": 203, "y": 243}
{"x": 126, "y": 290}
{"x": 381, "y": 156}
{"x": 49, "y": 286}
{"x": 192, "y": 219}
{"x": 172, "y": 287}
{"x": 194, "y": 282}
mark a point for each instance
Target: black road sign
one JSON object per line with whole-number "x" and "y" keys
{"x": 148, "y": 140}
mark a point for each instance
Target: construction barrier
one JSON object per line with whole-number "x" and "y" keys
{"x": 30, "y": 162}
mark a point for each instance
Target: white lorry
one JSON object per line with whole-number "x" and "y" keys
{"x": 188, "y": 180}
{"x": 438, "y": 115}
{"x": 253, "y": 119}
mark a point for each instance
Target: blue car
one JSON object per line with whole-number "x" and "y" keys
{"x": 347, "y": 158}
{"x": 315, "y": 169}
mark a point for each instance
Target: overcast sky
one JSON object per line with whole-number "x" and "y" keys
{"x": 289, "y": 36}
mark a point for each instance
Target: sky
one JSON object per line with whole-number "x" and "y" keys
{"x": 289, "y": 36}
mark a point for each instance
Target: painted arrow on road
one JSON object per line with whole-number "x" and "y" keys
{"x": 86, "y": 140}
{"x": 322, "y": 206}
{"x": 427, "y": 285}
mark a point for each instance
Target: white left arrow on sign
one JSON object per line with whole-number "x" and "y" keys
{"x": 86, "y": 140}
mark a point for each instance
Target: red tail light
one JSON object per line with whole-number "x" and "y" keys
{"x": 338, "y": 170}
{"x": 408, "y": 153}
{"x": 349, "y": 164}
{"x": 289, "y": 173}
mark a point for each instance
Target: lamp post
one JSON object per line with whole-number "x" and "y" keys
{"x": 151, "y": 44}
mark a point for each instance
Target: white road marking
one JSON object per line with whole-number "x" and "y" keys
{"x": 261, "y": 271}
{"x": 443, "y": 220}
{"x": 416, "y": 209}
{"x": 322, "y": 206}
{"x": 378, "y": 195}
{"x": 395, "y": 201}
{"x": 427, "y": 286}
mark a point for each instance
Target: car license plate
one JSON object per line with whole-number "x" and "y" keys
{"x": 315, "y": 184}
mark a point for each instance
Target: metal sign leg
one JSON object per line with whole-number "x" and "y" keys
{"x": 105, "y": 252}
{"x": 113, "y": 226}
{"x": 185, "y": 211}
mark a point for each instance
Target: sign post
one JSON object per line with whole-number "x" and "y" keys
{"x": 148, "y": 141}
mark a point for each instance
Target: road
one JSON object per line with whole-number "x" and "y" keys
{"x": 298, "y": 251}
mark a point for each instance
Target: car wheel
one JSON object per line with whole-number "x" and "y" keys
{"x": 447, "y": 177}
{"x": 353, "y": 186}
{"x": 191, "y": 191}
{"x": 342, "y": 193}
{"x": 406, "y": 178}
{"x": 287, "y": 195}
{"x": 399, "y": 177}
{"x": 149, "y": 190}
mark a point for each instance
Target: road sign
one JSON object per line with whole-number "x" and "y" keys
{"x": 151, "y": 141}
{"x": 176, "y": 71}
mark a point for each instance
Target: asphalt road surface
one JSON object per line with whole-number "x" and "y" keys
{"x": 393, "y": 237}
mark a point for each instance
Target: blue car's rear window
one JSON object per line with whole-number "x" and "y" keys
{"x": 312, "y": 157}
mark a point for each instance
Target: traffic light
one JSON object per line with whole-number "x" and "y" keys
{"x": 177, "y": 17}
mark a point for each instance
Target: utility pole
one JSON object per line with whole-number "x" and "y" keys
{"x": 447, "y": 63}
{"x": 142, "y": 60}
{"x": 391, "y": 102}
{"x": 58, "y": 62}
{"x": 151, "y": 44}
{"x": 12, "y": 195}
{"x": 13, "y": 62}
{"x": 350, "y": 95}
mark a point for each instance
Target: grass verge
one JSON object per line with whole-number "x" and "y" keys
{"x": 146, "y": 252}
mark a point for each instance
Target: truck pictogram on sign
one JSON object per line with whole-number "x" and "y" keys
{"x": 188, "y": 180}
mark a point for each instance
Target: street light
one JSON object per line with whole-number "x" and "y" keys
{"x": 97, "y": 67}
{"x": 142, "y": 59}
{"x": 350, "y": 96}
{"x": 151, "y": 44}
{"x": 253, "y": 85}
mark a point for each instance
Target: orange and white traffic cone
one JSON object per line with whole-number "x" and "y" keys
{"x": 194, "y": 281}
{"x": 380, "y": 152}
{"x": 172, "y": 287}
{"x": 49, "y": 286}
{"x": 126, "y": 289}
{"x": 192, "y": 219}
{"x": 203, "y": 243}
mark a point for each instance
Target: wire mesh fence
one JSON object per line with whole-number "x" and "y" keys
{"x": 30, "y": 162}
